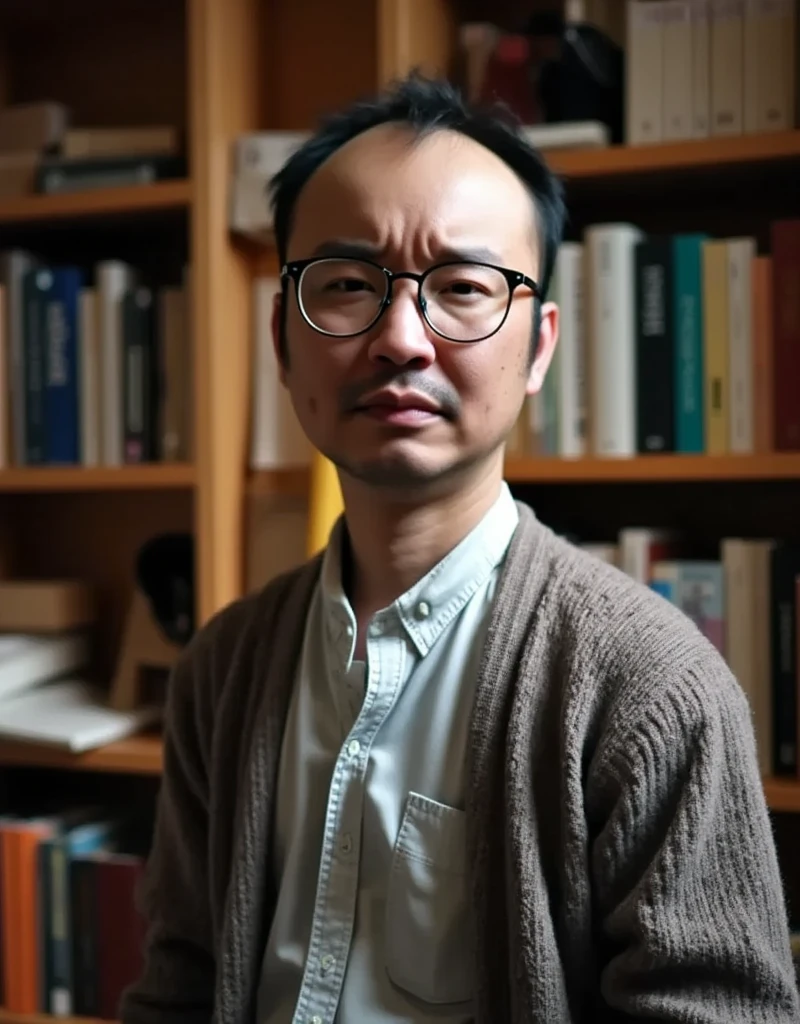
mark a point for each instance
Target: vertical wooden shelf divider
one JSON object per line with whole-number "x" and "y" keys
{"x": 223, "y": 57}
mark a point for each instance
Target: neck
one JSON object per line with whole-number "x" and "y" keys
{"x": 394, "y": 542}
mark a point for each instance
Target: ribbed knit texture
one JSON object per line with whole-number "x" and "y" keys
{"x": 622, "y": 866}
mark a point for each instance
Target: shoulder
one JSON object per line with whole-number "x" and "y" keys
{"x": 228, "y": 640}
{"x": 632, "y": 655}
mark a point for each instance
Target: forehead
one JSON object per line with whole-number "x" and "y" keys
{"x": 411, "y": 194}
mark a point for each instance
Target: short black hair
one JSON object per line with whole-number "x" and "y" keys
{"x": 428, "y": 105}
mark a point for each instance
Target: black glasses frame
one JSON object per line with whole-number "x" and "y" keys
{"x": 294, "y": 271}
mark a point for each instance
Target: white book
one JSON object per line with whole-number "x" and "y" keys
{"x": 741, "y": 252}
{"x": 572, "y": 348}
{"x": 678, "y": 65}
{"x": 640, "y": 547}
{"x": 753, "y": 66}
{"x": 568, "y": 135}
{"x": 611, "y": 327}
{"x": 746, "y": 567}
{"x": 770, "y": 62}
{"x": 72, "y": 716}
{"x": 114, "y": 278}
{"x": 90, "y": 358}
{"x": 257, "y": 156}
{"x": 701, "y": 69}
{"x": 645, "y": 74}
{"x": 26, "y": 661}
{"x": 278, "y": 439}
{"x": 727, "y": 67}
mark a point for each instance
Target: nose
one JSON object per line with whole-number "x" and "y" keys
{"x": 401, "y": 336}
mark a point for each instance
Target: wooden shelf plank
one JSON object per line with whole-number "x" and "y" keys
{"x": 6, "y": 1017}
{"x": 671, "y": 468}
{"x": 128, "y": 199}
{"x": 783, "y": 795}
{"x": 291, "y": 482}
{"x": 138, "y": 755}
{"x": 155, "y": 476}
{"x": 695, "y": 154}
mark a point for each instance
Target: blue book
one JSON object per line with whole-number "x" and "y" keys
{"x": 688, "y": 351}
{"x": 62, "y": 381}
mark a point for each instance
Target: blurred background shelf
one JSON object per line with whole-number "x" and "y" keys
{"x": 783, "y": 795}
{"x": 138, "y": 755}
{"x": 101, "y": 202}
{"x": 677, "y": 468}
{"x": 150, "y": 477}
{"x": 712, "y": 154}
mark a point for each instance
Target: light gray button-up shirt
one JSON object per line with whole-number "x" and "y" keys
{"x": 371, "y": 922}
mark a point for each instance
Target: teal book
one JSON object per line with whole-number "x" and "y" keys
{"x": 688, "y": 349}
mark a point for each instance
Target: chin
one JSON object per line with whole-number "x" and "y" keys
{"x": 404, "y": 472}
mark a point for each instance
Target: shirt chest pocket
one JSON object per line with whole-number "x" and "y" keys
{"x": 428, "y": 948}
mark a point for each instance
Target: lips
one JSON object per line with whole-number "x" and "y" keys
{"x": 405, "y": 409}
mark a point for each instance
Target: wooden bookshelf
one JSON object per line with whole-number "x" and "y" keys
{"x": 146, "y": 477}
{"x": 102, "y": 202}
{"x": 138, "y": 755}
{"x": 651, "y": 468}
{"x": 42, "y": 1018}
{"x": 783, "y": 795}
{"x": 713, "y": 155}
{"x": 293, "y": 482}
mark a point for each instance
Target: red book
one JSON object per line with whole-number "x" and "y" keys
{"x": 120, "y": 928}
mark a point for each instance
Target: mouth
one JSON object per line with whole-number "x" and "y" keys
{"x": 406, "y": 409}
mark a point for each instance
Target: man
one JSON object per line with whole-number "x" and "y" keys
{"x": 455, "y": 769}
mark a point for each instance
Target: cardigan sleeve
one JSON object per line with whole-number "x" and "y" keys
{"x": 688, "y": 891}
{"x": 177, "y": 983}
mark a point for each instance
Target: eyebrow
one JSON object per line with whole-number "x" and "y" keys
{"x": 350, "y": 249}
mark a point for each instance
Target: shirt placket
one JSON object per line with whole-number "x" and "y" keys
{"x": 337, "y": 886}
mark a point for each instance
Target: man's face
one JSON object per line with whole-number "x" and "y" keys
{"x": 399, "y": 406}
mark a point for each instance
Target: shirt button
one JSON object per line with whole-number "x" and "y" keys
{"x": 354, "y": 748}
{"x": 328, "y": 963}
{"x": 315, "y": 1020}
{"x": 346, "y": 844}
{"x": 423, "y": 610}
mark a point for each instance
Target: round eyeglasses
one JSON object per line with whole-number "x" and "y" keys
{"x": 461, "y": 301}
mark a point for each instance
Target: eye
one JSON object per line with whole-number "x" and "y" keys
{"x": 348, "y": 285}
{"x": 461, "y": 287}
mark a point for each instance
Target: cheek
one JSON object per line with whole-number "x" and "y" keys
{"x": 492, "y": 382}
{"x": 317, "y": 367}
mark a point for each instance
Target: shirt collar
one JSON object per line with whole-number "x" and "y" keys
{"x": 427, "y": 608}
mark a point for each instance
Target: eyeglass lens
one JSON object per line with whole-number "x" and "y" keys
{"x": 463, "y": 301}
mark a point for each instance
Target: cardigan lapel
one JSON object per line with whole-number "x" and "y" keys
{"x": 516, "y": 599}
{"x": 251, "y": 901}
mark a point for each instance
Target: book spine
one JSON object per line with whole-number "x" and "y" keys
{"x": 655, "y": 431}
{"x": 36, "y": 285}
{"x": 785, "y": 570}
{"x": 62, "y": 409}
{"x": 786, "y": 333}
{"x": 715, "y": 335}
{"x": 688, "y": 343}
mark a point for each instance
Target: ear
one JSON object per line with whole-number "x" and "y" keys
{"x": 277, "y": 304}
{"x": 548, "y": 339}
